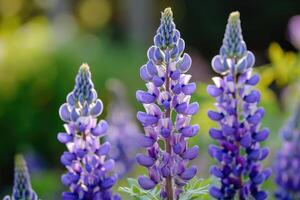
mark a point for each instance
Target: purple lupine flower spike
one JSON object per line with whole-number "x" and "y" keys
{"x": 168, "y": 113}
{"x": 22, "y": 189}
{"x": 89, "y": 175}
{"x": 123, "y": 132}
{"x": 238, "y": 152}
{"x": 287, "y": 163}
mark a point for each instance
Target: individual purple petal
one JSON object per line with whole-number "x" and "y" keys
{"x": 246, "y": 140}
{"x": 261, "y": 195}
{"x": 64, "y": 113}
{"x": 214, "y": 170}
{"x": 165, "y": 132}
{"x": 146, "y": 183}
{"x": 264, "y": 153}
{"x": 74, "y": 114}
{"x": 108, "y": 165}
{"x": 228, "y": 130}
{"x": 108, "y": 182}
{"x": 191, "y": 153}
{"x": 185, "y": 63}
{"x": 64, "y": 137}
{"x": 189, "y": 88}
{"x": 158, "y": 55}
{"x": 181, "y": 45}
{"x": 67, "y": 158}
{"x": 217, "y": 65}
{"x": 253, "y": 80}
{"x": 190, "y": 131}
{"x": 150, "y": 53}
{"x": 144, "y": 74}
{"x": 69, "y": 196}
{"x": 215, "y": 192}
{"x": 69, "y": 178}
{"x": 176, "y": 89}
{"x": 70, "y": 99}
{"x": 174, "y": 52}
{"x": 151, "y": 68}
{"x": 97, "y": 108}
{"x": 158, "y": 81}
{"x": 262, "y": 135}
{"x": 175, "y": 74}
{"x": 146, "y": 119}
{"x": 144, "y": 160}
{"x": 192, "y": 109}
{"x": 157, "y": 41}
{"x": 145, "y": 97}
{"x": 215, "y": 134}
{"x": 214, "y": 91}
{"x": 189, "y": 173}
{"x": 165, "y": 171}
{"x": 250, "y": 59}
{"x": 147, "y": 141}
{"x": 181, "y": 108}
{"x": 253, "y": 97}
{"x": 104, "y": 149}
{"x": 215, "y": 115}
{"x": 100, "y": 129}
{"x": 178, "y": 148}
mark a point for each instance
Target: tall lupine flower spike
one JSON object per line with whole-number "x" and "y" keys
{"x": 89, "y": 172}
{"x": 168, "y": 113}
{"x": 238, "y": 153}
{"x": 123, "y": 132}
{"x": 287, "y": 163}
{"x": 22, "y": 189}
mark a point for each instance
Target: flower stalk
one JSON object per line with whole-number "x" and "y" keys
{"x": 22, "y": 189}
{"x": 89, "y": 175}
{"x": 287, "y": 161}
{"x": 168, "y": 113}
{"x": 239, "y": 152}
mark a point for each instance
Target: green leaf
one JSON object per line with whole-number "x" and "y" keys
{"x": 196, "y": 189}
{"x": 139, "y": 193}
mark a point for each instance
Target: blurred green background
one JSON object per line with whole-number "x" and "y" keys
{"x": 43, "y": 42}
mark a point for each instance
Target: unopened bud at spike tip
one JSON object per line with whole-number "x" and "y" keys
{"x": 234, "y": 17}
{"x": 167, "y": 13}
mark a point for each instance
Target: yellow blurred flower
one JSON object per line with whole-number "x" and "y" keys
{"x": 283, "y": 70}
{"x": 94, "y": 13}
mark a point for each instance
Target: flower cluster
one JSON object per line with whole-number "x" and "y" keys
{"x": 89, "y": 172}
{"x": 22, "y": 189}
{"x": 238, "y": 152}
{"x": 123, "y": 132}
{"x": 168, "y": 112}
{"x": 287, "y": 162}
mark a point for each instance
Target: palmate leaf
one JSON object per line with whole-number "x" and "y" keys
{"x": 138, "y": 193}
{"x": 196, "y": 189}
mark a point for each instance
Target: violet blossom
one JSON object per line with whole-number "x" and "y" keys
{"x": 287, "y": 163}
{"x": 168, "y": 112}
{"x": 89, "y": 175}
{"x": 239, "y": 136}
{"x": 22, "y": 189}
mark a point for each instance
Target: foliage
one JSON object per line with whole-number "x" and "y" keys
{"x": 195, "y": 189}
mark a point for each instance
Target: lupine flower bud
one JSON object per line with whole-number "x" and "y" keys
{"x": 89, "y": 175}
{"x": 239, "y": 153}
{"x": 287, "y": 163}
{"x": 22, "y": 189}
{"x": 168, "y": 113}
